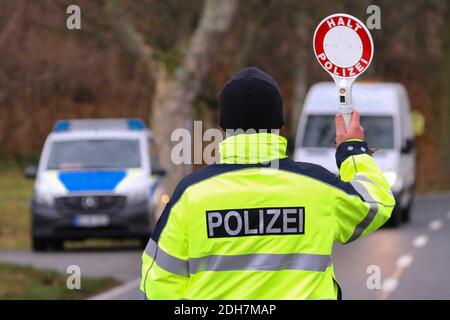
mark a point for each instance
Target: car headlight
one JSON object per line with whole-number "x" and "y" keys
{"x": 159, "y": 197}
{"x": 391, "y": 177}
{"x": 47, "y": 188}
{"x": 44, "y": 198}
{"x": 138, "y": 196}
{"x": 165, "y": 198}
{"x": 159, "y": 201}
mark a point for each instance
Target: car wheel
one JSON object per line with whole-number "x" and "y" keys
{"x": 406, "y": 212}
{"x": 143, "y": 242}
{"x": 396, "y": 218}
{"x": 39, "y": 244}
{"x": 56, "y": 245}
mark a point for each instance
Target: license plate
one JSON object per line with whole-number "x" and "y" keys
{"x": 91, "y": 220}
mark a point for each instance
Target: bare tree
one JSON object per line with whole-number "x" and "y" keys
{"x": 176, "y": 91}
{"x": 302, "y": 61}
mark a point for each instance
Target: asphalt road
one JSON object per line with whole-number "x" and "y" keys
{"x": 411, "y": 261}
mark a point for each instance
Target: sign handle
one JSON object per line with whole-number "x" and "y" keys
{"x": 345, "y": 104}
{"x": 345, "y": 97}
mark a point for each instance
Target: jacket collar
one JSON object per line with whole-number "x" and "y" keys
{"x": 252, "y": 148}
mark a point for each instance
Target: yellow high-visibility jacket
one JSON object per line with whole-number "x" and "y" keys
{"x": 261, "y": 226}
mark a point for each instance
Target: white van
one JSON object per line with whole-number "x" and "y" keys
{"x": 385, "y": 116}
{"x": 96, "y": 179}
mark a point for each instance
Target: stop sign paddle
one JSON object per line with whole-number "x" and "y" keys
{"x": 344, "y": 48}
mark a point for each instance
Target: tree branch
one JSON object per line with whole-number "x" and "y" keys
{"x": 133, "y": 40}
{"x": 215, "y": 20}
{"x": 12, "y": 23}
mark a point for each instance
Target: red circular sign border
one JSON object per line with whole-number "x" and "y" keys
{"x": 364, "y": 35}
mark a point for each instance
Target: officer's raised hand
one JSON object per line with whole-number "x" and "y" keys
{"x": 354, "y": 130}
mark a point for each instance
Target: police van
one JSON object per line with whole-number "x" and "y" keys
{"x": 385, "y": 117}
{"x": 96, "y": 179}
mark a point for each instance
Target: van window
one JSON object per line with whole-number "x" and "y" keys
{"x": 91, "y": 154}
{"x": 320, "y": 131}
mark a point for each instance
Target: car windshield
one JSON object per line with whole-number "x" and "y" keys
{"x": 320, "y": 131}
{"x": 90, "y": 154}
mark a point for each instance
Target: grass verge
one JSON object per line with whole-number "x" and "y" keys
{"x": 24, "y": 282}
{"x": 15, "y": 194}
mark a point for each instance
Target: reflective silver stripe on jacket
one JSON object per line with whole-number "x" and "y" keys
{"x": 370, "y": 215}
{"x": 260, "y": 262}
{"x": 366, "y": 179}
{"x": 166, "y": 261}
{"x": 254, "y": 262}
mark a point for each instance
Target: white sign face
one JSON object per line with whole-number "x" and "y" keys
{"x": 343, "y": 46}
{"x": 342, "y": 55}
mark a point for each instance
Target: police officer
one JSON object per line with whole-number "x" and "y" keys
{"x": 258, "y": 225}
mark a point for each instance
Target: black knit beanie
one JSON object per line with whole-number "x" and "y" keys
{"x": 251, "y": 99}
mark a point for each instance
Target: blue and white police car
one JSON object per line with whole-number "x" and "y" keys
{"x": 96, "y": 179}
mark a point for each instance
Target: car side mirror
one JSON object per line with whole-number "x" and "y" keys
{"x": 30, "y": 172}
{"x": 408, "y": 146}
{"x": 159, "y": 171}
